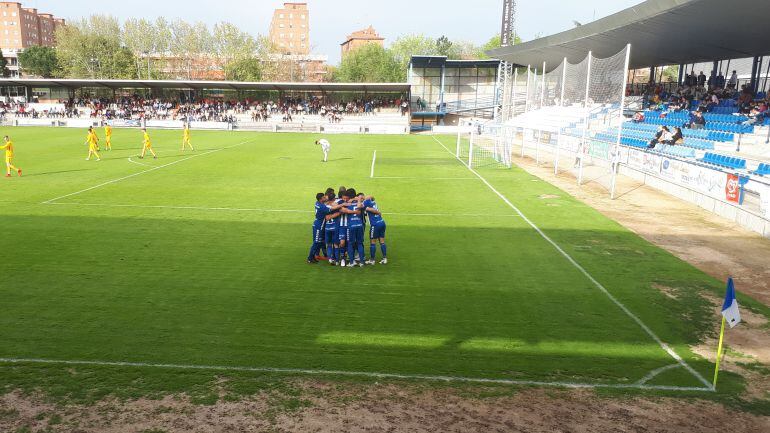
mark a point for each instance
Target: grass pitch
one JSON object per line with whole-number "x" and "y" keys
{"x": 197, "y": 259}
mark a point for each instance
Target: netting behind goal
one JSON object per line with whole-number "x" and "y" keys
{"x": 571, "y": 117}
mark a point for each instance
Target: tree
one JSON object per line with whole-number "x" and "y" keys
{"x": 407, "y": 46}
{"x": 245, "y": 69}
{"x": 444, "y": 46}
{"x": 139, "y": 37}
{"x": 89, "y": 48}
{"x": 4, "y": 72}
{"x": 370, "y": 63}
{"x": 39, "y": 61}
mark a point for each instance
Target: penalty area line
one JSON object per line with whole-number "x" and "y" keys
{"x": 367, "y": 374}
{"x": 583, "y": 271}
{"x": 256, "y": 210}
{"x": 109, "y": 182}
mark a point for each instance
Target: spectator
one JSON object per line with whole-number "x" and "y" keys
{"x": 697, "y": 121}
{"x": 661, "y": 136}
{"x": 638, "y": 117}
{"x": 732, "y": 83}
{"x": 701, "y": 79}
{"x": 676, "y": 138}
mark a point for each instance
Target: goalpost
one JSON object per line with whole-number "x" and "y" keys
{"x": 484, "y": 146}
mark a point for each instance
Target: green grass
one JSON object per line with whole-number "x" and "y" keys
{"x": 153, "y": 269}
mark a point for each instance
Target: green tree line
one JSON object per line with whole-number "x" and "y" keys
{"x": 101, "y": 46}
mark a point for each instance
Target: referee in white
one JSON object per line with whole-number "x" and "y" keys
{"x": 325, "y": 146}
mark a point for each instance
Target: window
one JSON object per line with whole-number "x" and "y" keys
{"x": 303, "y": 26}
{"x": 282, "y": 35}
{"x": 280, "y": 25}
{"x": 303, "y": 16}
{"x": 291, "y": 16}
{"x": 280, "y": 16}
{"x": 13, "y": 14}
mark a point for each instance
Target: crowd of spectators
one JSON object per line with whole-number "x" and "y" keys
{"x": 136, "y": 107}
{"x": 706, "y": 94}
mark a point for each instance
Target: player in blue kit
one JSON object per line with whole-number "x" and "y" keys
{"x": 321, "y": 211}
{"x": 376, "y": 231}
{"x": 355, "y": 228}
{"x": 330, "y": 229}
{"x": 342, "y": 228}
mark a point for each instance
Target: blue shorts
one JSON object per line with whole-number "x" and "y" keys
{"x": 331, "y": 236}
{"x": 355, "y": 235}
{"x": 342, "y": 234}
{"x": 377, "y": 231}
{"x": 318, "y": 233}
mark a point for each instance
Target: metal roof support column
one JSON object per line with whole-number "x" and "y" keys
{"x": 756, "y": 67}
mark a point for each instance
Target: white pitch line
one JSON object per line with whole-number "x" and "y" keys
{"x": 426, "y": 178}
{"x": 145, "y": 171}
{"x": 582, "y": 270}
{"x": 231, "y": 209}
{"x": 651, "y": 375}
{"x": 138, "y": 163}
{"x": 374, "y": 375}
{"x": 374, "y": 159}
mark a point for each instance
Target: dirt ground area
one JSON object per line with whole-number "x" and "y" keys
{"x": 710, "y": 243}
{"x": 383, "y": 408}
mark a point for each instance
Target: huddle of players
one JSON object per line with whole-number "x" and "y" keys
{"x": 339, "y": 228}
{"x": 93, "y": 142}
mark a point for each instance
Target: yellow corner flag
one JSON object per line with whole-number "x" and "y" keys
{"x": 730, "y": 315}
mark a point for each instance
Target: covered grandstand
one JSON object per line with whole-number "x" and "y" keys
{"x": 564, "y": 103}
{"x": 357, "y": 107}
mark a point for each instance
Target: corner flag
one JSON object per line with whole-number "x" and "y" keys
{"x": 730, "y": 315}
{"x": 730, "y": 306}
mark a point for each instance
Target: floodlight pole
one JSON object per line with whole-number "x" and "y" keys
{"x": 615, "y": 162}
{"x": 561, "y": 104}
{"x": 587, "y": 118}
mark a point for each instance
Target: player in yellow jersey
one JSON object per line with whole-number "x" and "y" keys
{"x": 8, "y": 147}
{"x": 93, "y": 145}
{"x": 186, "y": 137}
{"x": 147, "y": 145}
{"x": 107, "y": 137}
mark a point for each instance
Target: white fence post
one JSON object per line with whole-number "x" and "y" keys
{"x": 561, "y": 104}
{"x": 470, "y": 147}
{"x": 459, "y": 137}
{"x": 615, "y": 164}
{"x": 581, "y": 148}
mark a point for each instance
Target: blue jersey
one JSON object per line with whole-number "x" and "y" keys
{"x": 331, "y": 224}
{"x": 354, "y": 220}
{"x": 320, "y": 213}
{"x": 374, "y": 218}
{"x": 342, "y": 220}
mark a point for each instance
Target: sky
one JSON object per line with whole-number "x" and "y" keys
{"x": 332, "y": 20}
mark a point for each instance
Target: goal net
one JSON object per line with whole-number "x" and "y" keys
{"x": 484, "y": 145}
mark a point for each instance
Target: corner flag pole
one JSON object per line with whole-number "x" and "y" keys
{"x": 719, "y": 353}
